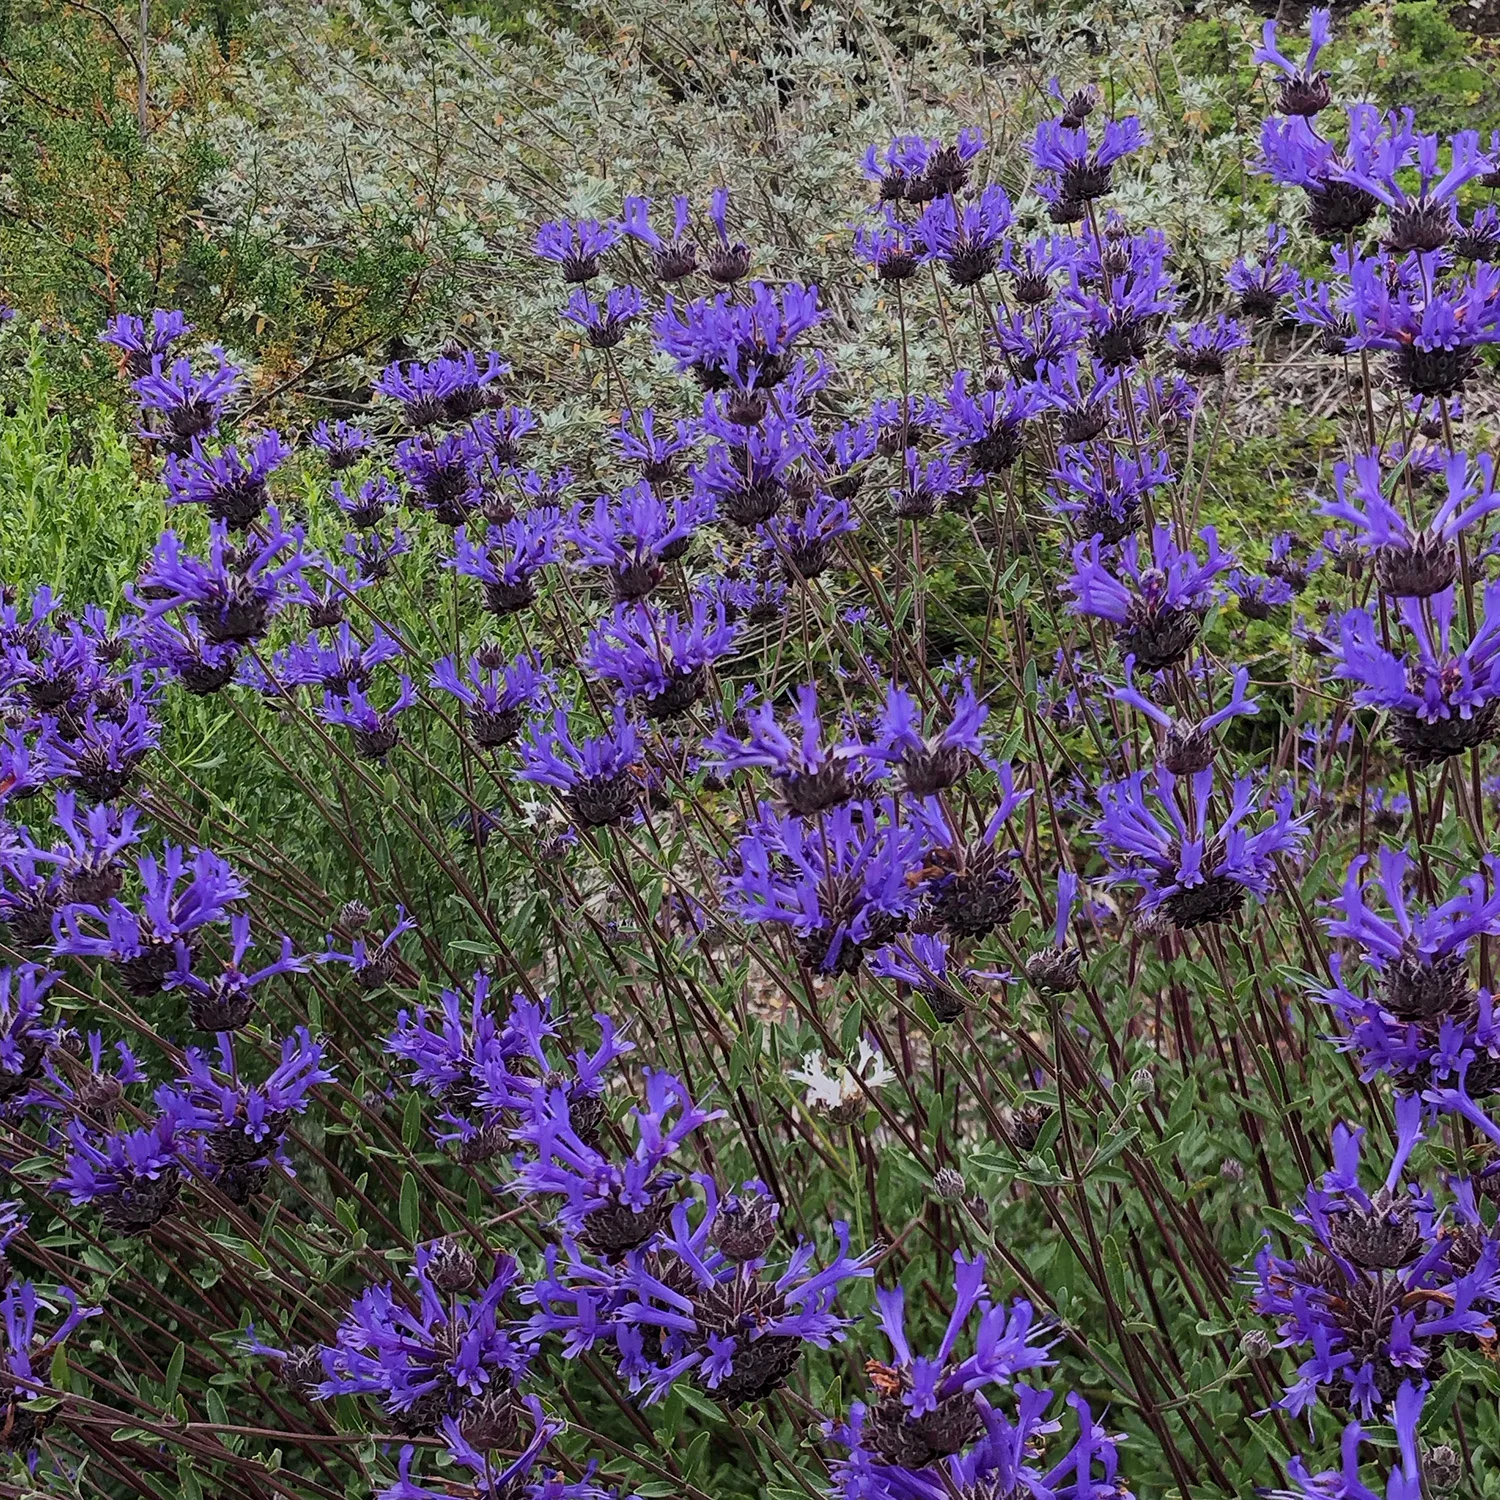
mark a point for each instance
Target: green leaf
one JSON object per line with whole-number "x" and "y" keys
{"x": 174, "y": 1371}
{"x": 411, "y": 1122}
{"x": 411, "y": 1207}
{"x": 187, "y": 1480}
{"x": 59, "y": 1377}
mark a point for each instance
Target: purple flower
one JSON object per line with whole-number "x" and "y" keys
{"x": 671, "y": 260}
{"x": 920, "y": 960}
{"x": 900, "y": 422}
{"x": 499, "y": 1424}
{"x": 1156, "y": 604}
{"x": 596, "y": 779}
{"x": 604, "y": 325}
{"x": 1204, "y": 349}
{"x": 803, "y": 540}
{"x": 1304, "y": 89}
{"x": 1284, "y": 563}
{"x": 497, "y": 695}
{"x": 986, "y": 429}
{"x": 1257, "y": 596}
{"x": 482, "y": 1067}
{"x": 1055, "y": 969}
{"x": 133, "y": 1177}
{"x": 893, "y": 250}
{"x": 376, "y": 496}
{"x": 1441, "y": 699}
{"x": 635, "y": 535}
{"x": 1196, "y": 870}
{"x": 658, "y": 656}
{"x": 930, "y": 763}
{"x": 509, "y": 557}
{"x": 446, "y": 389}
{"x": 918, "y": 170}
{"x": 965, "y": 237}
{"x": 243, "y": 1124}
{"x": 341, "y": 443}
{"x": 141, "y": 346}
{"x": 610, "y": 1206}
{"x": 1344, "y": 1482}
{"x": 1105, "y": 498}
{"x": 179, "y": 894}
{"x": 745, "y": 346}
{"x": 1424, "y": 220}
{"x": 26, "y": 1359}
{"x": 930, "y": 485}
{"x": 86, "y": 865}
{"x": 202, "y": 666}
{"x": 374, "y": 730}
{"x": 746, "y": 484}
{"x": 1036, "y": 340}
{"x": 728, "y": 259}
{"x": 101, "y": 754}
{"x": 234, "y": 591}
{"x": 179, "y": 405}
{"x": 813, "y": 771}
{"x": 1123, "y": 290}
{"x": 712, "y": 1313}
{"x": 346, "y": 662}
{"x": 444, "y": 476}
{"x": 24, "y": 1036}
{"x": 1420, "y": 957}
{"x": 1076, "y": 173}
{"x": 1432, "y": 325}
{"x": 227, "y": 1001}
{"x": 1261, "y": 282}
{"x": 1186, "y": 749}
{"x": 841, "y": 884}
{"x": 374, "y": 962}
{"x": 440, "y": 1351}
{"x": 926, "y": 1408}
{"x": 1293, "y": 152}
{"x": 1413, "y": 563}
{"x": 373, "y": 555}
{"x": 1382, "y": 1288}
{"x": 653, "y": 454}
{"x": 576, "y": 246}
{"x": 1003, "y": 1459}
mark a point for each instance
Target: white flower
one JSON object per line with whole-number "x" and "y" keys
{"x": 840, "y": 1089}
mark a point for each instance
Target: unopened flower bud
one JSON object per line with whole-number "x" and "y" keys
{"x": 492, "y": 1422}
{"x": 1256, "y": 1344}
{"x": 745, "y": 1226}
{"x": 451, "y": 1268}
{"x": 1142, "y": 1081}
{"x": 353, "y": 916}
{"x": 1054, "y": 971}
{"x": 1232, "y": 1170}
{"x": 948, "y": 1183}
{"x": 1443, "y": 1469}
{"x": 302, "y": 1369}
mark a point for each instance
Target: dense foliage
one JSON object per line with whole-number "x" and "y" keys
{"x": 711, "y": 882}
